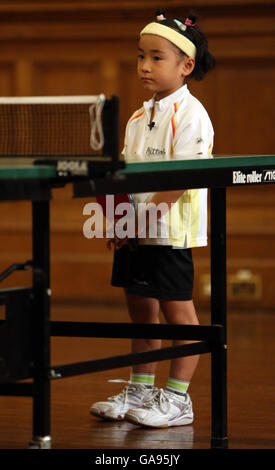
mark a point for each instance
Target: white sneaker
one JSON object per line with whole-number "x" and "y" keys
{"x": 163, "y": 409}
{"x": 116, "y": 406}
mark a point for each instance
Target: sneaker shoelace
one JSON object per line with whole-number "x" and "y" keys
{"x": 123, "y": 395}
{"x": 160, "y": 399}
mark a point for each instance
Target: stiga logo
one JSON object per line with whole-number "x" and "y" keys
{"x": 265, "y": 176}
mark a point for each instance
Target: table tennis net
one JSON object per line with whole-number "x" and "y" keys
{"x": 44, "y": 126}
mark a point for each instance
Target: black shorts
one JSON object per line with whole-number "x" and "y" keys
{"x": 162, "y": 272}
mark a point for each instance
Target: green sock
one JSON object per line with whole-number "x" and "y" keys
{"x": 179, "y": 387}
{"x": 145, "y": 379}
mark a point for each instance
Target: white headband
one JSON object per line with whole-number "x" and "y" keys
{"x": 183, "y": 43}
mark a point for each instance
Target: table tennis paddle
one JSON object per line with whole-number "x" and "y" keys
{"x": 109, "y": 205}
{"x": 114, "y": 201}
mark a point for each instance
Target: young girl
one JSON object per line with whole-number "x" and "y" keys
{"x": 158, "y": 274}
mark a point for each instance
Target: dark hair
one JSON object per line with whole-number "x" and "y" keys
{"x": 204, "y": 60}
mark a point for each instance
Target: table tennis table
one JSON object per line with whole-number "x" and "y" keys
{"x": 27, "y": 328}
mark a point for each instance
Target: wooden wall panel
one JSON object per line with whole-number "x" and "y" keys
{"x": 64, "y": 48}
{"x": 7, "y": 78}
{"x": 66, "y": 77}
{"x": 245, "y": 89}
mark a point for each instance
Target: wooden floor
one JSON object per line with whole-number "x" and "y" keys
{"x": 251, "y": 391}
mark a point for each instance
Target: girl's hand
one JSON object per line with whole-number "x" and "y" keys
{"x": 116, "y": 242}
{"x": 119, "y": 242}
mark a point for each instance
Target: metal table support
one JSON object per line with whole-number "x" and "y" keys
{"x": 219, "y": 437}
{"x": 41, "y": 324}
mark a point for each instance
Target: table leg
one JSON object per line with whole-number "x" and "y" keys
{"x": 41, "y": 325}
{"x": 219, "y": 437}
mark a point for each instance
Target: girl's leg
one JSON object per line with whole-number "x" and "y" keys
{"x": 179, "y": 412}
{"x": 143, "y": 310}
{"x": 183, "y": 313}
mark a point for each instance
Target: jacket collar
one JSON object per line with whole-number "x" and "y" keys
{"x": 163, "y": 104}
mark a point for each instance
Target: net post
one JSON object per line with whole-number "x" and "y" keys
{"x": 110, "y": 120}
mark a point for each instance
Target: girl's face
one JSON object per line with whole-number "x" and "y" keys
{"x": 161, "y": 68}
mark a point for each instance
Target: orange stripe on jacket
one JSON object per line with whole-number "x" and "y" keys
{"x": 210, "y": 148}
{"x": 137, "y": 115}
{"x": 173, "y": 126}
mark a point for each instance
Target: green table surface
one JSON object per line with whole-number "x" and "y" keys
{"x": 235, "y": 161}
{"x": 24, "y": 168}
{"x": 15, "y": 168}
